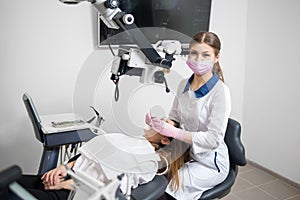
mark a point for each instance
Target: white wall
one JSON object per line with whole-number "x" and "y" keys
{"x": 229, "y": 21}
{"x": 271, "y": 102}
{"x": 43, "y": 45}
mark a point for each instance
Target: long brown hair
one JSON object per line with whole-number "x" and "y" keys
{"x": 180, "y": 155}
{"x": 177, "y": 153}
{"x": 213, "y": 41}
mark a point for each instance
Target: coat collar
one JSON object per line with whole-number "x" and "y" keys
{"x": 204, "y": 89}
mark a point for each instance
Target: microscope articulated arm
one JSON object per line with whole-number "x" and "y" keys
{"x": 142, "y": 61}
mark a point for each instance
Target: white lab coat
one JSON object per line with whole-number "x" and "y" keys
{"x": 206, "y": 118}
{"x": 109, "y": 155}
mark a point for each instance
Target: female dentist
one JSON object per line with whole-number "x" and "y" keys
{"x": 201, "y": 107}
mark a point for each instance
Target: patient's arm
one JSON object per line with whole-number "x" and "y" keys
{"x": 56, "y": 176}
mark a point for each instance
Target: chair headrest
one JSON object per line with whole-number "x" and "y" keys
{"x": 34, "y": 116}
{"x": 233, "y": 140}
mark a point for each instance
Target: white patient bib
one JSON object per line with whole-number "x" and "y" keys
{"x": 107, "y": 156}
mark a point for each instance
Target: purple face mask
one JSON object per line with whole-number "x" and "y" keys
{"x": 200, "y": 67}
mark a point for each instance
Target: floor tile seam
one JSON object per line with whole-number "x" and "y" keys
{"x": 268, "y": 193}
{"x": 254, "y": 186}
{"x": 259, "y": 186}
{"x": 289, "y": 185}
{"x": 236, "y": 197}
{"x": 245, "y": 189}
{"x": 244, "y": 179}
{"x": 249, "y": 170}
{"x": 263, "y": 184}
{"x": 297, "y": 195}
{"x": 276, "y": 179}
{"x": 286, "y": 184}
{"x": 261, "y": 170}
{"x": 274, "y": 174}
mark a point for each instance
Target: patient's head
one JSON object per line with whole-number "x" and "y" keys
{"x": 157, "y": 140}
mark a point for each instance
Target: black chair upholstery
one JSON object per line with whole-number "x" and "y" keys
{"x": 152, "y": 190}
{"x": 236, "y": 157}
{"x": 7, "y": 177}
{"x": 9, "y": 187}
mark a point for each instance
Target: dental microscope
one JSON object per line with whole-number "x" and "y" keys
{"x": 143, "y": 60}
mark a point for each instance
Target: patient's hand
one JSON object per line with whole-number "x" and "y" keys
{"x": 54, "y": 176}
{"x": 64, "y": 184}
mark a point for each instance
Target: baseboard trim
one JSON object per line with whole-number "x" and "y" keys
{"x": 293, "y": 183}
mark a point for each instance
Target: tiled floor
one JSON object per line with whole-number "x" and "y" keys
{"x": 255, "y": 184}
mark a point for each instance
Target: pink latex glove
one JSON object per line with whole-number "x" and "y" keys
{"x": 166, "y": 129}
{"x": 148, "y": 119}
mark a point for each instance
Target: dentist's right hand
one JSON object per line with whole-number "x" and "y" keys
{"x": 169, "y": 130}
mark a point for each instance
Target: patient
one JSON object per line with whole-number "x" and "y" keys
{"x": 53, "y": 184}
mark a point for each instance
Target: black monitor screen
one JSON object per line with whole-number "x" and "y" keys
{"x": 169, "y": 17}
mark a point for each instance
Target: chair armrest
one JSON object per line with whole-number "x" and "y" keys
{"x": 152, "y": 190}
{"x": 9, "y": 175}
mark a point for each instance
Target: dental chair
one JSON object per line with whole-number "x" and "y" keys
{"x": 237, "y": 158}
